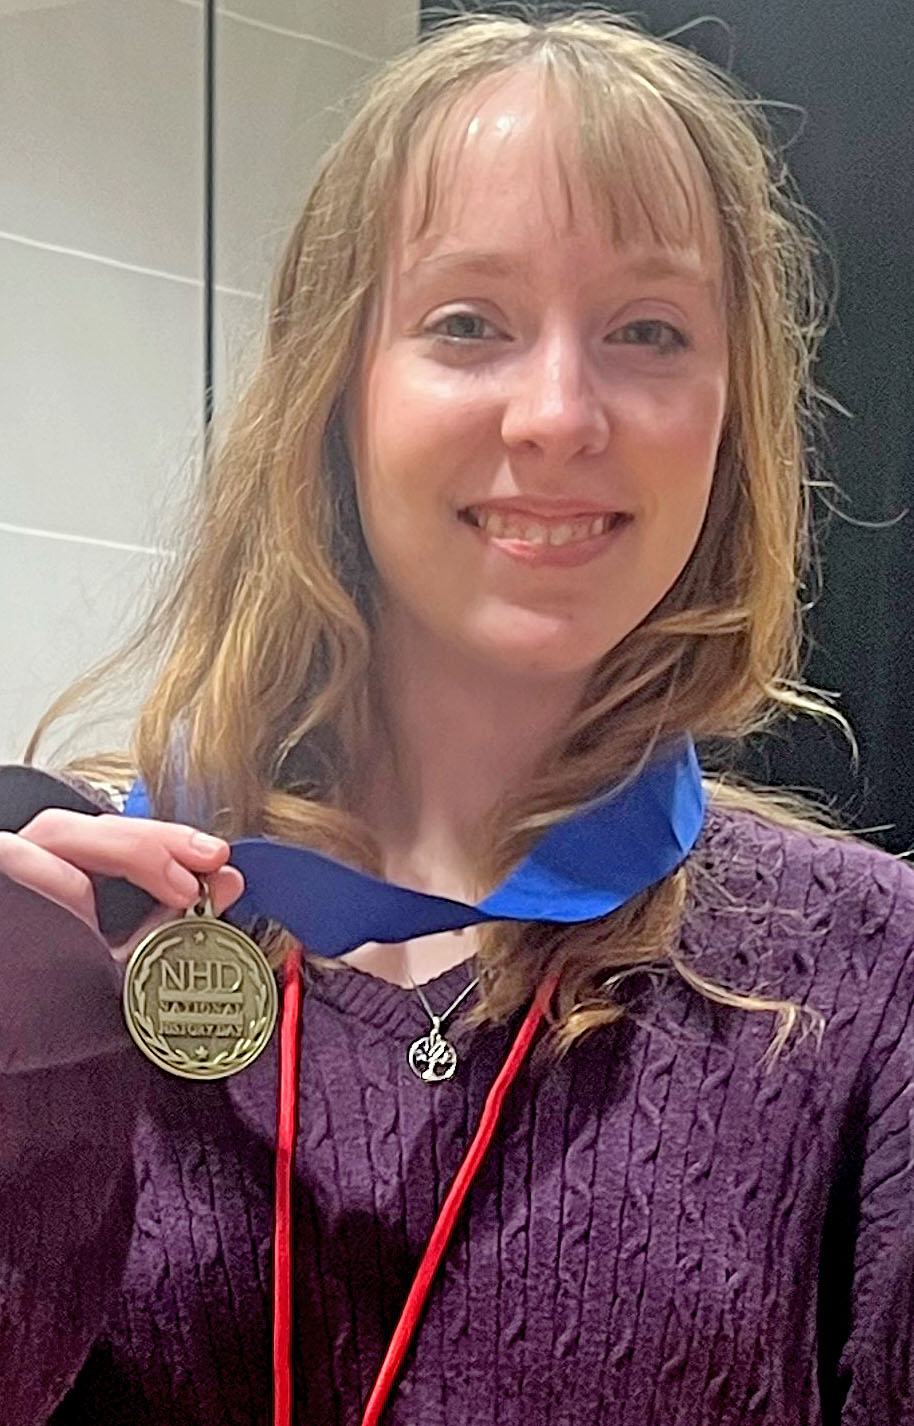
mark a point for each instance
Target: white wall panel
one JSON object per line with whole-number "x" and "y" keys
{"x": 237, "y": 335}
{"x": 101, "y": 130}
{"x": 375, "y": 27}
{"x": 101, "y": 234}
{"x": 279, "y": 108}
{"x": 101, "y": 396}
{"x": 65, "y": 605}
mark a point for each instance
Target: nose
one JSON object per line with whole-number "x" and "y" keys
{"x": 554, "y": 404}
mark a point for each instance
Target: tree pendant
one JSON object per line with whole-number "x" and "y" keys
{"x": 432, "y": 1058}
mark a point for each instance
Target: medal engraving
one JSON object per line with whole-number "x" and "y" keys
{"x": 432, "y": 1058}
{"x": 200, "y": 998}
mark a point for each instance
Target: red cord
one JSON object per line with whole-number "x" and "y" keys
{"x": 447, "y": 1218}
{"x": 289, "y": 1041}
{"x": 441, "y": 1233}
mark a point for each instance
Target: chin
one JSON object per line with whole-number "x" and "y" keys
{"x": 536, "y": 656}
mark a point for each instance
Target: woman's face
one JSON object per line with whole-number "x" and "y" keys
{"x": 536, "y": 418}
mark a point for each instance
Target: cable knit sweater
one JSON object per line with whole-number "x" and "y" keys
{"x": 663, "y": 1233}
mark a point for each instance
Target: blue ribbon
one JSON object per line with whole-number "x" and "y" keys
{"x": 582, "y": 867}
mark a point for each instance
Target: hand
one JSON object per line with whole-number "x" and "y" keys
{"x": 57, "y": 850}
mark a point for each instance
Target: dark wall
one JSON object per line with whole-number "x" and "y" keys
{"x": 846, "y": 68}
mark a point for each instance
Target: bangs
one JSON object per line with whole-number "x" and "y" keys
{"x": 619, "y": 137}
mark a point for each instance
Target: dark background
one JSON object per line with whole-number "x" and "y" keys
{"x": 845, "y": 69}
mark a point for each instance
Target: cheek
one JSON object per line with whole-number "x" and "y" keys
{"x": 419, "y": 448}
{"x": 673, "y": 443}
{"x": 379, "y": 451}
{"x": 413, "y": 404}
{"x": 395, "y": 495}
{"x": 686, "y": 415}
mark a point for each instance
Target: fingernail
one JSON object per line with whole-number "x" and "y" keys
{"x": 202, "y": 843}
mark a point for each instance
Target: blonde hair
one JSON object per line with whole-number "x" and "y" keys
{"x": 269, "y": 729}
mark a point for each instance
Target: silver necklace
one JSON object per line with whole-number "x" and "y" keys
{"x": 432, "y": 1058}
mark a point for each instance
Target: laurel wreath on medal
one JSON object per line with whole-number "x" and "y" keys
{"x": 180, "y": 1058}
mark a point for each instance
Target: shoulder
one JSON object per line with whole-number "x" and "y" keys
{"x": 107, "y": 789}
{"x": 814, "y": 914}
{"x": 761, "y": 858}
{"x": 27, "y": 790}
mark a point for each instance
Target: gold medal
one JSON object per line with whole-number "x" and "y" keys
{"x": 200, "y": 998}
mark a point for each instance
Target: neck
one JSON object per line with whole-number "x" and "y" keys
{"x": 453, "y": 738}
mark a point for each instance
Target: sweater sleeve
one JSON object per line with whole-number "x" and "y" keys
{"x": 71, "y": 1086}
{"x": 877, "y": 1362}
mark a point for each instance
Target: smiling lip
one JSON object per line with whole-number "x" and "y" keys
{"x": 542, "y": 509}
{"x": 576, "y": 552}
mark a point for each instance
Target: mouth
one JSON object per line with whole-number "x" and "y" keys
{"x": 553, "y": 531}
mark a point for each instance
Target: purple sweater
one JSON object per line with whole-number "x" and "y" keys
{"x": 662, "y": 1234}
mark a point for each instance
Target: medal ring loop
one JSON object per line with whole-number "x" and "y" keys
{"x": 203, "y": 906}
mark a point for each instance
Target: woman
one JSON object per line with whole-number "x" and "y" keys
{"x": 513, "y": 509}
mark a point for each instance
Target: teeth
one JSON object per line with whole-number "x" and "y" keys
{"x": 521, "y": 527}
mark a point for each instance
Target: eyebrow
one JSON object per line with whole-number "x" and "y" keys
{"x": 495, "y": 264}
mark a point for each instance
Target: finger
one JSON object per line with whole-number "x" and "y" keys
{"x": 225, "y": 887}
{"x": 164, "y": 858}
{"x": 41, "y": 871}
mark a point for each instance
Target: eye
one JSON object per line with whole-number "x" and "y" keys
{"x": 465, "y": 327}
{"x": 675, "y": 342}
